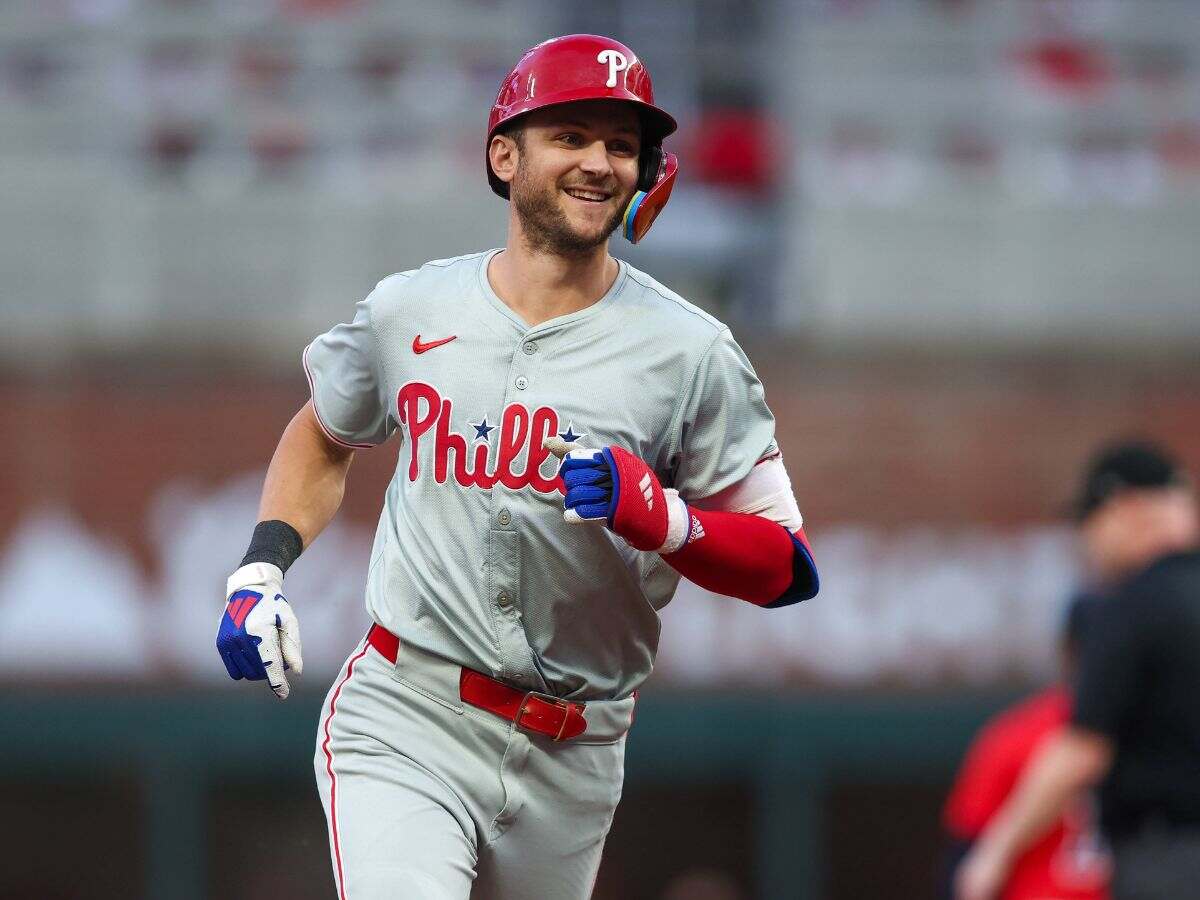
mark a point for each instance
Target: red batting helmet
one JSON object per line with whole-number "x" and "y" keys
{"x": 591, "y": 67}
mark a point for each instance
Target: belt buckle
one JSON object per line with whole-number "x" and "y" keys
{"x": 559, "y": 702}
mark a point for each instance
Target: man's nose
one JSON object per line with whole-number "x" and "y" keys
{"x": 594, "y": 159}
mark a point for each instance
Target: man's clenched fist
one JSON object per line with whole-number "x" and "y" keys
{"x": 259, "y": 636}
{"x": 613, "y": 486}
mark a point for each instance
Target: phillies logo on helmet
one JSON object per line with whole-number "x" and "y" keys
{"x": 520, "y": 460}
{"x": 616, "y": 62}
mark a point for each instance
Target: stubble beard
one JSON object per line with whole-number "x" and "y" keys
{"x": 545, "y": 225}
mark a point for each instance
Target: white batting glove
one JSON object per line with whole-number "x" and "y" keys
{"x": 259, "y": 636}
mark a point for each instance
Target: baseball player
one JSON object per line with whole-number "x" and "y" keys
{"x": 574, "y": 438}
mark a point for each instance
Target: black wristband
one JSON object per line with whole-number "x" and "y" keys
{"x": 275, "y": 542}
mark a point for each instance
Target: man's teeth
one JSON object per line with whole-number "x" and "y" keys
{"x": 586, "y": 195}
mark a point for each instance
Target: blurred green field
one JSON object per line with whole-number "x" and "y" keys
{"x": 187, "y": 795}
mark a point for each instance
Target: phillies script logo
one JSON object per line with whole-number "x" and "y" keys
{"x": 426, "y": 416}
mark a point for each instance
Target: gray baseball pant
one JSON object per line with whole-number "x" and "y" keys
{"x": 428, "y": 798}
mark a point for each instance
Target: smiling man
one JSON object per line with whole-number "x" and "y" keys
{"x": 551, "y": 139}
{"x": 576, "y": 438}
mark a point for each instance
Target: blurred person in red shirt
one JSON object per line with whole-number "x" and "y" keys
{"x": 1069, "y": 862}
{"x": 1134, "y": 728}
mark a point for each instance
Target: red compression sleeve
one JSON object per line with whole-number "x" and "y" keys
{"x": 746, "y": 556}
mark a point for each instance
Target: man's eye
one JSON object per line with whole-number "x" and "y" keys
{"x": 569, "y": 138}
{"x": 623, "y": 148}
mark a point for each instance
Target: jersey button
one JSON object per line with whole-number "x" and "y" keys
{"x": 504, "y": 599}
{"x": 522, "y": 382}
{"x": 529, "y": 349}
{"x": 504, "y": 518}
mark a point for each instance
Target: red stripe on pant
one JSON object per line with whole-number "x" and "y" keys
{"x": 337, "y": 850}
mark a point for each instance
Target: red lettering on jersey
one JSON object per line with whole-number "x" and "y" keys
{"x": 447, "y": 442}
{"x": 408, "y": 406}
{"x": 514, "y": 435}
{"x": 420, "y": 407}
{"x": 545, "y": 424}
{"x": 482, "y": 478}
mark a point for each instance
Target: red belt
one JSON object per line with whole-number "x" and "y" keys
{"x": 554, "y": 717}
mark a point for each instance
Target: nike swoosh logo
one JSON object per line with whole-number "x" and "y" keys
{"x": 419, "y": 347}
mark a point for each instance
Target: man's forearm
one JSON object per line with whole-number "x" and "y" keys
{"x": 746, "y": 556}
{"x": 1069, "y": 764}
{"x": 259, "y": 637}
{"x": 306, "y": 479}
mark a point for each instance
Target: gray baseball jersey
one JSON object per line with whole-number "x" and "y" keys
{"x": 472, "y": 560}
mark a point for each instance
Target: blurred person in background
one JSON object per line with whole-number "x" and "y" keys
{"x": 1067, "y": 862}
{"x": 1135, "y": 722}
{"x": 474, "y": 744}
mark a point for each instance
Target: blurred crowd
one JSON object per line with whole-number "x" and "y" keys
{"x": 287, "y": 88}
{"x": 183, "y": 155}
{"x": 1098, "y": 99}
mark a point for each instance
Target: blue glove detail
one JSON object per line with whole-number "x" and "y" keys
{"x": 642, "y": 516}
{"x": 258, "y": 636}
{"x": 591, "y": 487}
{"x": 239, "y": 650}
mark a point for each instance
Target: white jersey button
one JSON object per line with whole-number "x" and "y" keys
{"x": 529, "y": 349}
{"x": 504, "y": 518}
{"x": 522, "y": 382}
{"x": 504, "y": 599}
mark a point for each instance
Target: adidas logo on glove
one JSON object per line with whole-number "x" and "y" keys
{"x": 647, "y": 490}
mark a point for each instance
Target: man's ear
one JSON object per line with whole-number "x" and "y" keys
{"x": 503, "y": 154}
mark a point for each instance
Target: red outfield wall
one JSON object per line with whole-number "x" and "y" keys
{"x": 883, "y": 444}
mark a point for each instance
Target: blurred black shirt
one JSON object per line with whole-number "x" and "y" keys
{"x": 1139, "y": 683}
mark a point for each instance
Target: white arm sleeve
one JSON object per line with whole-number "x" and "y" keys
{"x": 766, "y": 492}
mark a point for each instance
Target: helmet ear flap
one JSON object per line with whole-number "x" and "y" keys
{"x": 645, "y": 205}
{"x": 649, "y": 167}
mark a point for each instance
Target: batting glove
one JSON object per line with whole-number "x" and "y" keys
{"x": 259, "y": 636}
{"x": 617, "y": 488}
